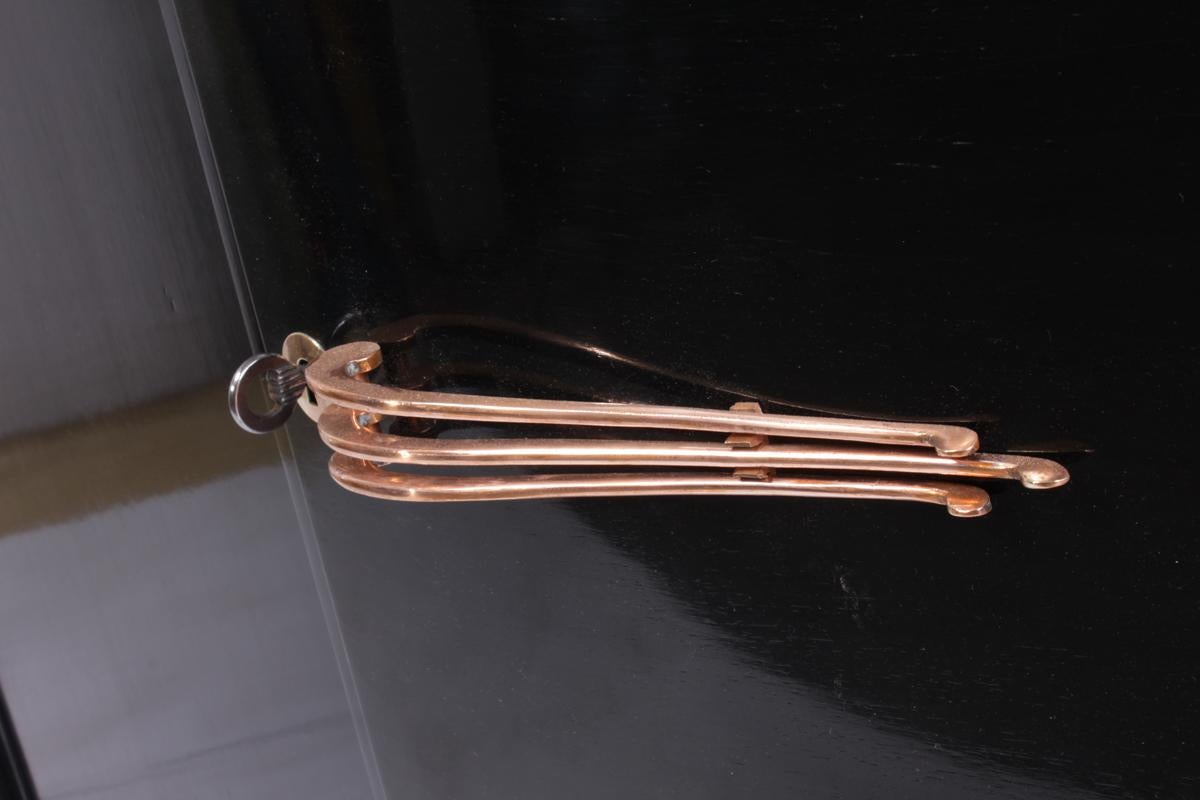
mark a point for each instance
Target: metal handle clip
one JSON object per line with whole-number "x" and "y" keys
{"x": 759, "y": 454}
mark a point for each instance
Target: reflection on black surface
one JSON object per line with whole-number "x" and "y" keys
{"x": 444, "y": 349}
{"x": 183, "y": 440}
{"x": 920, "y": 624}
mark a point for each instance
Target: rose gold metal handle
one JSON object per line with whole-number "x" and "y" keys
{"x": 366, "y": 478}
{"x": 335, "y": 389}
{"x": 338, "y": 376}
{"x": 340, "y": 429}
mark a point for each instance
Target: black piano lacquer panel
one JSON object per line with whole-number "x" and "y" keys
{"x": 980, "y": 212}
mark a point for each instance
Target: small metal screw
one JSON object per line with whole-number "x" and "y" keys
{"x": 364, "y": 419}
{"x": 352, "y": 369}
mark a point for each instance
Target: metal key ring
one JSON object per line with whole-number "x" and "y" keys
{"x": 248, "y": 375}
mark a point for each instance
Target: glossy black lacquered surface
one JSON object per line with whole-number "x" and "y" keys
{"x": 974, "y": 212}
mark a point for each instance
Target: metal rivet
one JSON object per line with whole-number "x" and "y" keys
{"x": 352, "y": 369}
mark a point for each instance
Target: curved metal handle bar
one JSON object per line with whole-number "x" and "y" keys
{"x": 339, "y": 430}
{"x": 337, "y": 378}
{"x": 365, "y": 478}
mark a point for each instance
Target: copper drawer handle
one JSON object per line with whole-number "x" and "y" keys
{"x": 343, "y": 433}
{"x": 365, "y": 478}
{"x": 335, "y": 389}
{"x": 339, "y": 377}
